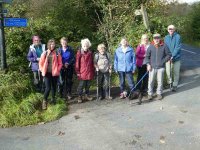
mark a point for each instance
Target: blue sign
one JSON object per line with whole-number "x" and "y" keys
{"x": 15, "y": 22}
{"x": 5, "y": 1}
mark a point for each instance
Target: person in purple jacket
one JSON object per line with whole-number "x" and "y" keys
{"x": 35, "y": 51}
{"x": 140, "y": 63}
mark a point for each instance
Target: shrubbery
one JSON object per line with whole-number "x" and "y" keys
{"x": 20, "y": 105}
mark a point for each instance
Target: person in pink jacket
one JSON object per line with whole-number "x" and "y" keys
{"x": 140, "y": 63}
{"x": 50, "y": 65}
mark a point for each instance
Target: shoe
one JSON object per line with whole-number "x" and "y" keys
{"x": 101, "y": 98}
{"x": 109, "y": 97}
{"x": 122, "y": 96}
{"x": 150, "y": 97}
{"x": 88, "y": 98}
{"x": 174, "y": 88}
{"x": 125, "y": 94}
{"x": 44, "y": 105}
{"x": 53, "y": 102}
{"x": 159, "y": 97}
{"x": 69, "y": 97}
{"x": 80, "y": 99}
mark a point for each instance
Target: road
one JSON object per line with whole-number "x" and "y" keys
{"x": 170, "y": 124}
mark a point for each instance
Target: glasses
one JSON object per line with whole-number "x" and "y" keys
{"x": 170, "y": 29}
{"x": 156, "y": 37}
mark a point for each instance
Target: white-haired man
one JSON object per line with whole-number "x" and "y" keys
{"x": 173, "y": 41}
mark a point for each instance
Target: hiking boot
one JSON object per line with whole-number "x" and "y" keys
{"x": 101, "y": 98}
{"x": 88, "y": 98}
{"x": 174, "y": 88}
{"x": 53, "y": 102}
{"x": 69, "y": 97}
{"x": 44, "y": 105}
{"x": 150, "y": 97}
{"x": 122, "y": 96}
{"x": 80, "y": 99}
{"x": 159, "y": 97}
{"x": 109, "y": 97}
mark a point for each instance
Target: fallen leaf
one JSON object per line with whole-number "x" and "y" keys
{"x": 76, "y": 117}
{"x": 181, "y": 122}
{"x": 61, "y": 133}
{"x": 162, "y": 139}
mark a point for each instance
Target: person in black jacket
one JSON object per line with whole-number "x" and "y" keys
{"x": 157, "y": 55}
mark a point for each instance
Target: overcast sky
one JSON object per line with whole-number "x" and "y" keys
{"x": 188, "y": 1}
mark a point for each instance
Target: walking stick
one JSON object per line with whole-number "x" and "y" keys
{"x": 109, "y": 84}
{"x": 97, "y": 85}
{"x": 170, "y": 66}
{"x": 137, "y": 84}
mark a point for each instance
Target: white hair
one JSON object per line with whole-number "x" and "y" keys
{"x": 144, "y": 36}
{"x": 171, "y": 27}
{"x": 86, "y": 41}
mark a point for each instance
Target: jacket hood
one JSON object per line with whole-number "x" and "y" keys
{"x": 129, "y": 48}
{"x": 160, "y": 44}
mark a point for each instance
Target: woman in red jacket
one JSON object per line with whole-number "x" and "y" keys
{"x": 50, "y": 65}
{"x": 141, "y": 65}
{"x": 85, "y": 69}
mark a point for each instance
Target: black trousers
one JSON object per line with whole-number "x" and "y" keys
{"x": 83, "y": 84}
{"x": 143, "y": 85}
{"x": 103, "y": 83}
{"x": 50, "y": 85}
{"x": 65, "y": 81}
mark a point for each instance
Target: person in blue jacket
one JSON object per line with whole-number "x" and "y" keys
{"x": 125, "y": 65}
{"x": 66, "y": 75}
{"x": 173, "y": 42}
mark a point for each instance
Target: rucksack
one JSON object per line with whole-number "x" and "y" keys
{"x": 56, "y": 53}
{"x": 98, "y": 56}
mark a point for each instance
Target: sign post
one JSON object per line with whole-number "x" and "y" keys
{"x": 2, "y": 39}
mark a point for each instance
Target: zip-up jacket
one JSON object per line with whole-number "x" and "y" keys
{"x": 174, "y": 44}
{"x": 157, "y": 56}
{"x": 56, "y": 63}
{"x": 32, "y": 57}
{"x": 124, "y": 62}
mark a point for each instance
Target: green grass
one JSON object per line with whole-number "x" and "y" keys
{"x": 193, "y": 43}
{"x": 21, "y": 106}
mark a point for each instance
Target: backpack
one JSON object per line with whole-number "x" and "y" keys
{"x": 98, "y": 56}
{"x": 56, "y": 54}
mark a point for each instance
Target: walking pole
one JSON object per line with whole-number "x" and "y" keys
{"x": 137, "y": 84}
{"x": 170, "y": 66}
{"x": 97, "y": 85}
{"x": 39, "y": 75}
{"x": 109, "y": 84}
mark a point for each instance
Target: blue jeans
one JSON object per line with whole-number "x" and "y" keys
{"x": 129, "y": 77}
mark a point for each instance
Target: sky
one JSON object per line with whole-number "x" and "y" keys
{"x": 188, "y": 1}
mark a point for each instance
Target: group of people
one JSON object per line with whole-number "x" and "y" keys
{"x": 56, "y": 66}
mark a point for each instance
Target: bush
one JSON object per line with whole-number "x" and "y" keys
{"x": 20, "y": 105}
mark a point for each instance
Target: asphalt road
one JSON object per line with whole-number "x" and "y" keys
{"x": 170, "y": 124}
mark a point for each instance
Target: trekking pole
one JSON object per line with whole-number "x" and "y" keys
{"x": 170, "y": 66}
{"x": 109, "y": 84}
{"x": 137, "y": 84}
{"x": 97, "y": 85}
{"x": 39, "y": 75}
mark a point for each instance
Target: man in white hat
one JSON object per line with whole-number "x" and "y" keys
{"x": 173, "y": 41}
{"x": 156, "y": 57}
